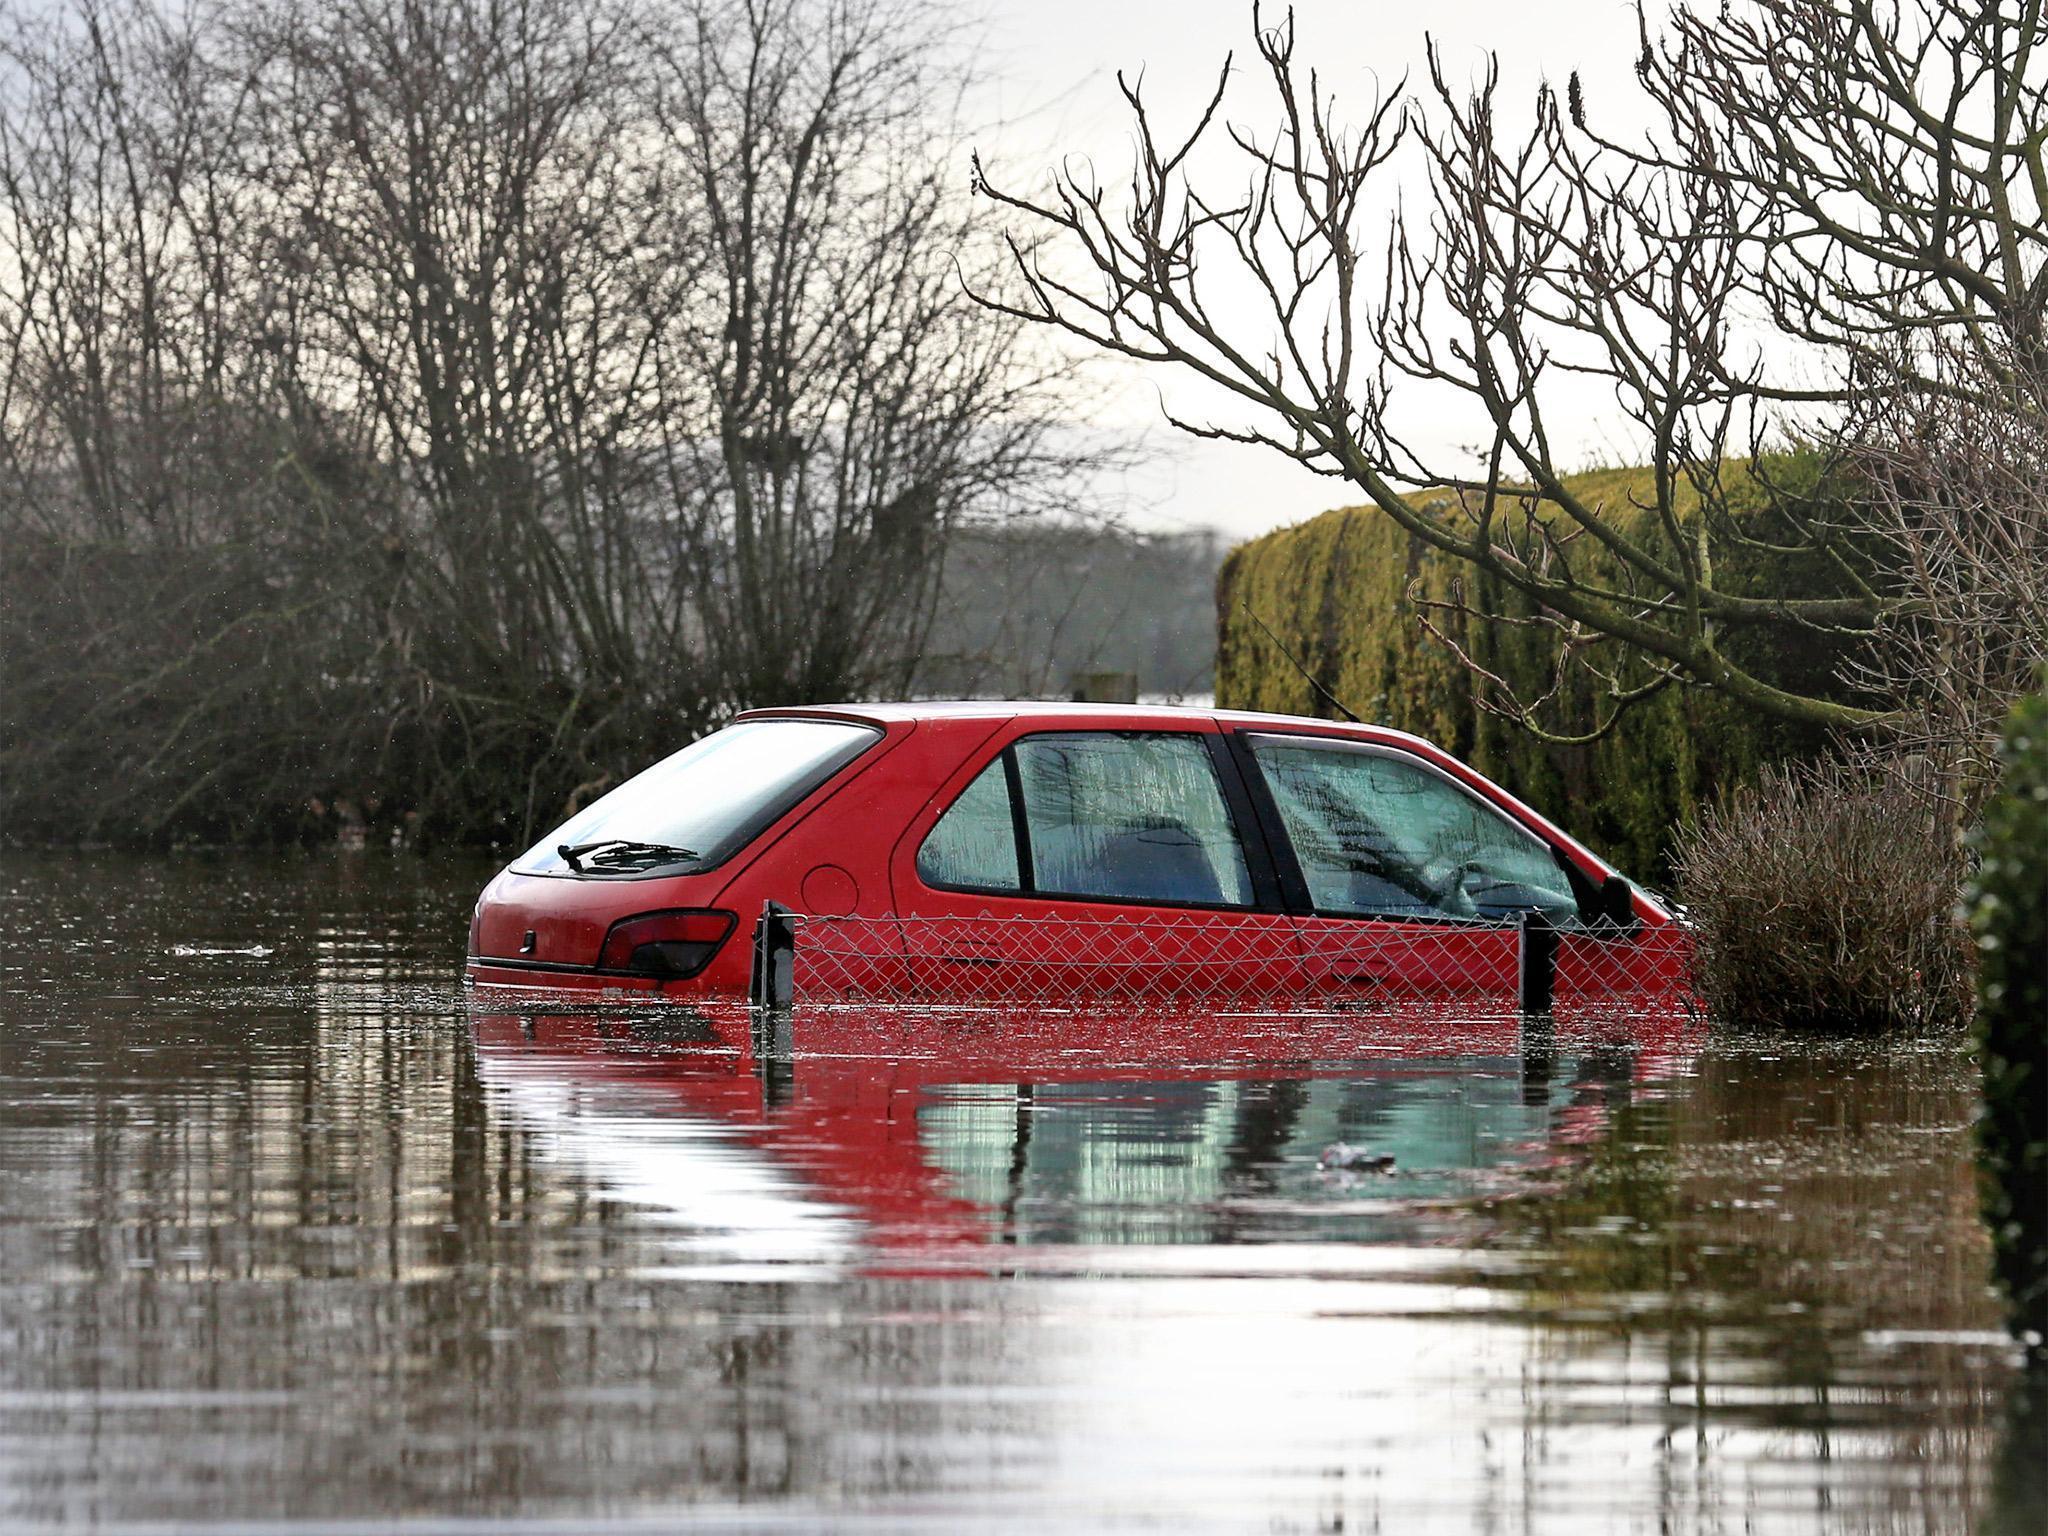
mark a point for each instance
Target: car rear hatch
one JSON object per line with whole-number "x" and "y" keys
{"x": 559, "y": 922}
{"x": 664, "y": 842}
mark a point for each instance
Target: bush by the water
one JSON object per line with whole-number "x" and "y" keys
{"x": 2010, "y": 916}
{"x": 1825, "y": 898}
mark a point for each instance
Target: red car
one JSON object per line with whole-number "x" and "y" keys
{"x": 1010, "y": 847}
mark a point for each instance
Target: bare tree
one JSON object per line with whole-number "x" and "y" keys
{"x": 1838, "y": 201}
{"x": 160, "y": 647}
{"x": 1898, "y": 157}
{"x": 831, "y": 409}
{"x": 118, "y": 321}
{"x": 463, "y": 186}
{"x": 447, "y": 405}
{"x": 1957, "y": 497}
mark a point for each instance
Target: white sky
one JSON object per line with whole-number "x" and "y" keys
{"x": 1053, "y": 65}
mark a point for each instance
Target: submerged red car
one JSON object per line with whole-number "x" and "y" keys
{"x": 1259, "y": 838}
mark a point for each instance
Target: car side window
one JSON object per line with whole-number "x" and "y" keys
{"x": 1130, "y": 818}
{"x": 1379, "y": 834}
{"x": 1106, "y": 817}
{"x": 975, "y": 843}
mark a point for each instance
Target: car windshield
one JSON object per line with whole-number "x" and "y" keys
{"x": 704, "y": 804}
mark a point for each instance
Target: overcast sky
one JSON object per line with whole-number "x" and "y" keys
{"x": 1053, "y": 66}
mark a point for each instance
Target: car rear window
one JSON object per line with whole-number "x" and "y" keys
{"x": 712, "y": 798}
{"x": 974, "y": 845}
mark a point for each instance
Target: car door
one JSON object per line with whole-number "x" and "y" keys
{"x": 1406, "y": 883}
{"x": 1078, "y": 864}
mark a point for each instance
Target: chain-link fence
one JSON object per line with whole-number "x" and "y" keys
{"x": 1229, "y": 960}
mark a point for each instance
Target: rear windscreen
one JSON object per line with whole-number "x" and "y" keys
{"x": 710, "y": 799}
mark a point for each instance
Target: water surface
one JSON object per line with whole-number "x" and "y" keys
{"x": 295, "y": 1235}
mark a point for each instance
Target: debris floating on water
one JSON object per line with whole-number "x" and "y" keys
{"x": 1340, "y": 1155}
{"x": 258, "y": 950}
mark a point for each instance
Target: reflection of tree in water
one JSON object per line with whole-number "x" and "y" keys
{"x": 1807, "y": 1207}
{"x": 1235, "y": 1160}
{"x": 1267, "y": 1114}
{"x": 283, "y": 1197}
{"x": 2018, "y": 1505}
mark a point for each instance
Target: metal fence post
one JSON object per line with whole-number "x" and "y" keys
{"x": 770, "y": 984}
{"x": 1539, "y": 1058}
{"x": 770, "y": 991}
{"x": 1538, "y": 962}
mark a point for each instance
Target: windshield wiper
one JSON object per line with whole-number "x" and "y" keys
{"x": 619, "y": 852}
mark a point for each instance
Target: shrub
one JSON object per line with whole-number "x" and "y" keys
{"x": 2009, "y": 912}
{"x": 1825, "y": 898}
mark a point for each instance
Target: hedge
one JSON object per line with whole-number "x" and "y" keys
{"x": 2010, "y": 916}
{"x": 1335, "y": 592}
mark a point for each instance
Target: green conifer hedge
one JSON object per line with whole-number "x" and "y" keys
{"x": 2010, "y": 916}
{"x": 1334, "y": 590}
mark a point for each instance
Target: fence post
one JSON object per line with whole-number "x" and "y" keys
{"x": 1537, "y": 970}
{"x": 770, "y": 984}
{"x": 1539, "y": 1058}
{"x": 769, "y": 992}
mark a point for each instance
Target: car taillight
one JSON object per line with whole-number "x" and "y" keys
{"x": 675, "y": 944}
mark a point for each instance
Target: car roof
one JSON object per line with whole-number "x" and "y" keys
{"x": 1098, "y": 716}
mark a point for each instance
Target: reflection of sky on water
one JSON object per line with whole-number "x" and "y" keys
{"x": 727, "y": 1202}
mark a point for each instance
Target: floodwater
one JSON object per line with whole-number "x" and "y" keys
{"x": 295, "y": 1235}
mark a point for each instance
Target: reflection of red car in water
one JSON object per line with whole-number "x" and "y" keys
{"x": 882, "y": 1128}
{"x": 999, "y": 848}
